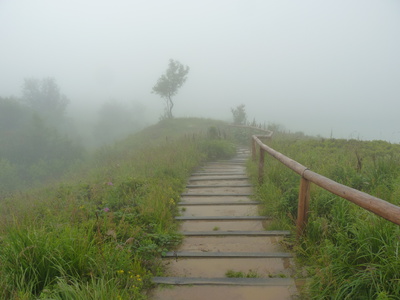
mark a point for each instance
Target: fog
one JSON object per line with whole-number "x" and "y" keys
{"x": 329, "y": 68}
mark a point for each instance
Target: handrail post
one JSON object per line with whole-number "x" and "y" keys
{"x": 253, "y": 149}
{"x": 303, "y": 206}
{"x": 261, "y": 166}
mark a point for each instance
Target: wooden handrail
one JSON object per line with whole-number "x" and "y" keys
{"x": 373, "y": 204}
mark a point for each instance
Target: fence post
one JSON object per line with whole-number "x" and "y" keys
{"x": 261, "y": 166}
{"x": 253, "y": 149}
{"x": 303, "y": 206}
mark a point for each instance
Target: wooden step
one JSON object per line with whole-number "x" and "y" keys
{"x": 221, "y": 218}
{"x": 187, "y": 254}
{"x": 220, "y": 178}
{"x": 224, "y": 225}
{"x": 237, "y": 233}
{"x": 217, "y": 174}
{"x": 224, "y": 281}
{"x": 219, "y": 195}
{"x": 219, "y": 203}
{"x": 198, "y": 186}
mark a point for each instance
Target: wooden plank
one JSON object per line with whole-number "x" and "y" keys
{"x": 187, "y": 254}
{"x": 222, "y": 218}
{"x": 224, "y": 281}
{"x": 237, "y": 233}
{"x": 219, "y": 178}
{"x": 218, "y": 186}
{"x": 217, "y": 174}
{"x": 219, "y": 203}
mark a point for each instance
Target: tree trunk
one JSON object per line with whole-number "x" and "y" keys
{"x": 170, "y": 106}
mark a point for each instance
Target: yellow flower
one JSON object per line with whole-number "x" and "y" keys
{"x": 120, "y": 272}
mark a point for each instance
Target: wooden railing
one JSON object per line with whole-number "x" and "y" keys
{"x": 378, "y": 206}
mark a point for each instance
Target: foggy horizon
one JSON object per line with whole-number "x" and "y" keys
{"x": 329, "y": 68}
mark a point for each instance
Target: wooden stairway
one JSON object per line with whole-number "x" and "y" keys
{"x": 226, "y": 252}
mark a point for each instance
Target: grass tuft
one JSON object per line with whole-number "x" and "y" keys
{"x": 101, "y": 231}
{"x": 349, "y": 253}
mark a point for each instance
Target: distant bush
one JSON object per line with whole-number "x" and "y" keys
{"x": 31, "y": 151}
{"x": 218, "y": 149}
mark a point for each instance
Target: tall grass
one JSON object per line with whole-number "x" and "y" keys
{"x": 101, "y": 232}
{"x": 350, "y": 253}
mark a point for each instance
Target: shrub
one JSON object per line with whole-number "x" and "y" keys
{"x": 218, "y": 149}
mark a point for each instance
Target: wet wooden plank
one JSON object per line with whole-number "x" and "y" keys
{"x": 187, "y": 254}
{"x": 219, "y": 178}
{"x": 188, "y": 218}
{"x": 218, "y": 174}
{"x": 237, "y": 233}
{"x": 224, "y": 281}
{"x": 218, "y": 186}
{"x": 219, "y": 203}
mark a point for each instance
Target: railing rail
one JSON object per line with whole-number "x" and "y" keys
{"x": 373, "y": 204}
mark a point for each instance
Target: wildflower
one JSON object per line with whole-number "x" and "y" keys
{"x": 106, "y": 209}
{"x": 82, "y": 207}
{"x": 119, "y": 272}
{"x": 109, "y": 183}
{"x": 172, "y": 201}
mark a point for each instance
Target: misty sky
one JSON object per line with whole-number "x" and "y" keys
{"x": 321, "y": 67}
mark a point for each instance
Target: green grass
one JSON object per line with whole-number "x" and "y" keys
{"x": 240, "y": 274}
{"x": 108, "y": 222}
{"x": 349, "y": 253}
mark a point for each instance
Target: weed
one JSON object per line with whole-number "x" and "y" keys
{"x": 114, "y": 213}
{"x": 240, "y": 274}
{"x": 350, "y": 253}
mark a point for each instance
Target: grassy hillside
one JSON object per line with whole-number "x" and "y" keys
{"x": 99, "y": 233}
{"x": 102, "y": 229}
{"x": 349, "y": 253}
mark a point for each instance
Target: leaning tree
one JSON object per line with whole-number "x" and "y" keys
{"x": 169, "y": 83}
